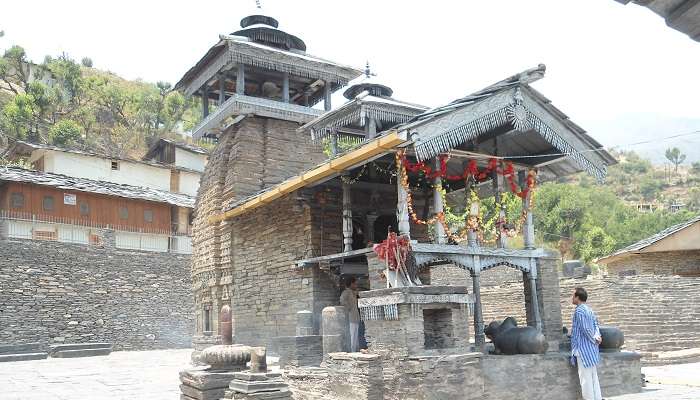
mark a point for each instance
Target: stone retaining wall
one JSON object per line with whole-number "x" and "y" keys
{"x": 656, "y": 313}
{"x": 54, "y": 292}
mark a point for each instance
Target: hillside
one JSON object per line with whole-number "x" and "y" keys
{"x": 69, "y": 104}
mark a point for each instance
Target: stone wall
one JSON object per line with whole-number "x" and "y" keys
{"x": 54, "y": 292}
{"x": 461, "y": 376}
{"x": 684, "y": 263}
{"x": 656, "y": 313}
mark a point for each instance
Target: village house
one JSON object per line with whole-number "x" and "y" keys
{"x": 168, "y": 165}
{"x": 673, "y": 251}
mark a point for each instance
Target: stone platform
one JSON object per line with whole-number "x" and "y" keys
{"x": 470, "y": 376}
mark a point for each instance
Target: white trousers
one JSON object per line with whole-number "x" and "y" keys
{"x": 354, "y": 337}
{"x": 588, "y": 377}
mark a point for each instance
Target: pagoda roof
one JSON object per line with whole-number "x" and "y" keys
{"x": 384, "y": 109}
{"x": 533, "y": 130}
{"x": 232, "y": 50}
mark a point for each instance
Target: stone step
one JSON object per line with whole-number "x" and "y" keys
{"x": 79, "y": 346}
{"x": 23, "y": 357}
{"x": 20, "y": 348}
{"x": 81, "y": 353}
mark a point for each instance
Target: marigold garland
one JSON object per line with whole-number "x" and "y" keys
{"x": 472, "y": 222}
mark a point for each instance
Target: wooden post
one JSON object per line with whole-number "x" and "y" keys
{"x": 402, "y": 208}
{"x": 497, "y": 188}
{"x": 529, "y": 227}
{"x": 334, "y": 143}
{"x": 347, "y": 218}
{"x": 205, "y": 101}
{"x": 438, "y": 207}
{"x": 285, "y": 87}
{"x": 479, "y": 337}
{"x": 370, "y": 128}
{"x": 222, "y": 88}
{"x": 326, "y": 95}
{"x": 240, "y": 79}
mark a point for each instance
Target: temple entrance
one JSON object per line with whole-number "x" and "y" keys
{"x": 382, "y": 225}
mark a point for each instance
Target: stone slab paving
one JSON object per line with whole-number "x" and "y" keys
{"x": 147, "y": 375}
{"x": 153, "y": 375}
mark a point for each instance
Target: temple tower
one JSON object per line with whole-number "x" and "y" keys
{"x": 257, "y": 86}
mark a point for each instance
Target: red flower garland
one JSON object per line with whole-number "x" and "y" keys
{"x": 472, "y": 169}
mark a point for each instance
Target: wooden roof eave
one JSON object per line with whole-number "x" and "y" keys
{"x": 351, "y": 159}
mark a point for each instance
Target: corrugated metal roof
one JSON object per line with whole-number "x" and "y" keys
{"x": 15, "y": 174}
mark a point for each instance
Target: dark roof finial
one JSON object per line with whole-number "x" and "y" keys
{"x": 368, "y": 71}
{"x": 258, "y": 3}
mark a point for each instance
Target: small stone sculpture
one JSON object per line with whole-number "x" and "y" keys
{"x": 509, "y": 339}
{"x": 226, "y": 357}
{"x": 613, "y": 338}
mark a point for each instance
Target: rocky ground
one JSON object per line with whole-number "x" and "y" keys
{"x": 153, "y": 375}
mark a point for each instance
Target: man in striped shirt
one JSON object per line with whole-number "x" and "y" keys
{"x": 585, "y": 338}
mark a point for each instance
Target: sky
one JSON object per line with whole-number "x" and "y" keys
{"x": 616, "y": 70}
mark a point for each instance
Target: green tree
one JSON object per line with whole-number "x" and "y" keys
{"x": 65, "y": 132}
{"x": 594, "y": 243}
{"x": 15, "y": 69}
{"x": 650, "y": 188}
{"x": 18, "y": 116}
{"x": 675, "y": 156}
{"x": 86, "y": 62}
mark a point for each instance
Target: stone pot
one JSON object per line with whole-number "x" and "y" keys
{"x": 226, "y": 357}
{"x": 613, "y": 338}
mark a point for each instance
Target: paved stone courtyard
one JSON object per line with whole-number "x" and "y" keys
{"x": 153, "y": 375}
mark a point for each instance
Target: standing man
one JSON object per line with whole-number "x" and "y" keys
{"x": 348, "y": 299}
{"x": 585, "y": 338}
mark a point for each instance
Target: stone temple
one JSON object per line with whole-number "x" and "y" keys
{"x": 296, "y": 198}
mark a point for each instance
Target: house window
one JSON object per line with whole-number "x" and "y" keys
{"x": 48, "y": 203}
{"x": 17, "y": 200}
{"x": 148, "y": 215}
{"x": 123, "y": 212}
{"x": 84, "y": 209}
{"x": 115, "y": 165}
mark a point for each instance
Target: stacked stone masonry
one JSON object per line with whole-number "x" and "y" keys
{"x": 683, "y": 263}
{"x": 53, "y": 292}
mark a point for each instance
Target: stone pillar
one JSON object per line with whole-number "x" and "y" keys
{"x": 335, "y": 327}
{"x": 334, "y": 143}
{"x": 376, "y": 268}
{"x": 479, "y": 336}
{"x": 347, "y": 218}
{"x": 534, "y": 300}
{"x": 240, "y": 79}
{"x": 497, "y": 188}
{"x": 258, "y": 360}
{"x": 285, "y": 87}
{"x": 326, "y": 95}
{"x": 225, "y": 325}
{"x": 549, "y": 298}
{"x": 438, "y": 207}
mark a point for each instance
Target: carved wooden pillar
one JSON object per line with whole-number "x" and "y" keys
{"x": 438, "y": 207}
{"x": 371, "y": 128}
{"x": 222, "y": 88}
{"x": 402, "y": 216}
{"x": 497, "y": 189}
{"x": 240, "y": 79}
{"x": 479, "y": 337}
{"x": 327, "y": 95}
{"x": 347, "y": 218}
{"x": 334, "y": 143}
{"x": 529, "y": 227}
{"x": 285, "y": 87}
{"x": 205, "y": 101}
